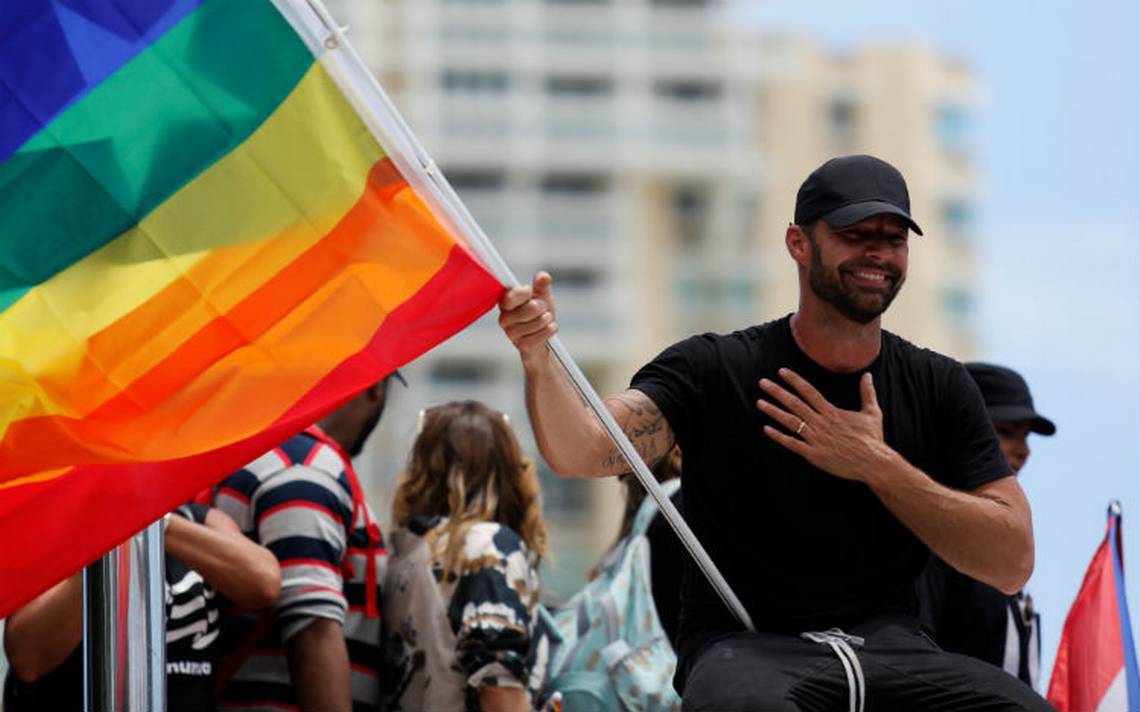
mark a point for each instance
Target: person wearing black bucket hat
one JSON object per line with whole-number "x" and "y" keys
{"x": 962, "y": 614}
{"x": 1010, "y": 407}
{"x": 825, "y": 458}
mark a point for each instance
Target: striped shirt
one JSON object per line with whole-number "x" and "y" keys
{"x": 192, "y": 627}
{"x": 303, "y": 502}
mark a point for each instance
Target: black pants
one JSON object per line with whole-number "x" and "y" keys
{"x": 904, "y": 670}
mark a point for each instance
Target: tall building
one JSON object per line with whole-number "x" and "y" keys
{"x": 646, "y": 153}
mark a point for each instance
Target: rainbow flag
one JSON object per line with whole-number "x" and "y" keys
{"x": 203, "y": 250}
{"x": 1095, "y": 669}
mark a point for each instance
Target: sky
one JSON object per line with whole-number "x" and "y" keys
{"x": 1058, "y": 236}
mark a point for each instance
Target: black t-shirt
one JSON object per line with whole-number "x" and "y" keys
{"x": 192, "y": 652}
{"x": 805, "y": 550}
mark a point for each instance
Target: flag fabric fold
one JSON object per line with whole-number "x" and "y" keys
{"x": 1095, "y": 669}
{"x": 203, "y": 250}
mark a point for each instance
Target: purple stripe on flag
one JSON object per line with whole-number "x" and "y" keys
{"x": 52, "y": 52}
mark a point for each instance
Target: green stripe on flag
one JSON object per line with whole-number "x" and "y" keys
{"x": 100, "y": 167}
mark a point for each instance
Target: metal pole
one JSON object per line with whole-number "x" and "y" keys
{"x": 152, "y": 553}
{"x": 124, "y": 620}
{"x": 396, "y": 137}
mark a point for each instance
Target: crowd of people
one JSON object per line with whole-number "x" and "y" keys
{"x": 859, "y": 494}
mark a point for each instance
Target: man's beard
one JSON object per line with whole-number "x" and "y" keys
{"x": 858, "y": 306}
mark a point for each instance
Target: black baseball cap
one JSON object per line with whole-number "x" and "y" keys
{"x": 1007, "y": 396}
{"x": 848, "y": 189}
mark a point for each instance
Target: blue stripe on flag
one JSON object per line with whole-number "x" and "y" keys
{"x": 1131, "y": 674}
{"x": 52, "y": 52}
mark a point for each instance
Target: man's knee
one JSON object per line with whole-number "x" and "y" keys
{"x": 728, "y": 678}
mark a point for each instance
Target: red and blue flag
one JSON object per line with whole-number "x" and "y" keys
{"x": 1095, "y": 669}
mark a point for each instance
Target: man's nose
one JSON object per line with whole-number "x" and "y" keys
{"x": 878, "y": 248}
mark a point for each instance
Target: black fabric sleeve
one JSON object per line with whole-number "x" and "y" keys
{"x": 970, "y": 448}
{"x": 673, "y": 381}
{"x": 193, "y": 511}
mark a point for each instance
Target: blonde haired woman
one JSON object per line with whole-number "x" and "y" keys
{"x": 462, "y": 584}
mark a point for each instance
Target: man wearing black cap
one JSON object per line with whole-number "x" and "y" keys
{"x": 824, "y": 458}
{"x": 965, "y": 615}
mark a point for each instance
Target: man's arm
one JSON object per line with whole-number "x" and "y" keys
{"x": 303, "y": 517}
{"x": 986, "y": 533}
{"x": 570, "y": 437}
{"x": 39, "y": 637}
{"x": 242, "y": 570}
{"x": 319, "y": 667}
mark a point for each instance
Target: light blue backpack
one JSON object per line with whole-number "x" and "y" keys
{"x": 613, "y": 653}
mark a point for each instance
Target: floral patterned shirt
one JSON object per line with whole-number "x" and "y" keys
{"x": 446, "y": 637}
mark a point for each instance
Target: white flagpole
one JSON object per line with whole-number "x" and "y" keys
{"x": 394, "y": 135}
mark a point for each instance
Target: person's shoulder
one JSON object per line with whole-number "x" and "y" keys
{"x": 940, "y": 376}
{"x": 302, "y": 456}
{"x": 918, "y": 355}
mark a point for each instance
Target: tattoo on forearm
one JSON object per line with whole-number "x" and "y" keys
{"x": 644, "y": 425}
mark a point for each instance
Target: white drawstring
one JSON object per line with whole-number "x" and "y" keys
{"x": 841, "y": 643}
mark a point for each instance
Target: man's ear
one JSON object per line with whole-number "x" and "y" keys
{"x": 799, "y": 247}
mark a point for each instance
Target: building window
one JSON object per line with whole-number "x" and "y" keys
{"x": 959, "y": 218}
{"x": 579, "y": 86}
{"x": 475, "y": 80}
{"x": 464, "y": 180}
{"x": 463, "y": 371}
{"x": 692, "y": 207}
{"x": 576, "y": 277}
{"x": 843, "y": 122}
{"x": 954, "y": 128}
{"x": 575, "y": 184}
{"x": 688, "y": 90}
{"x": 958, "y": 304}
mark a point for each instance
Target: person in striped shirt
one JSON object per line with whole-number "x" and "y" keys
{"x": 206, "y": 555}
{"x": 319, "y": 649}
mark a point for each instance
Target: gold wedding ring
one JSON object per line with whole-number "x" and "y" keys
{"x": 801, "y": 426}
